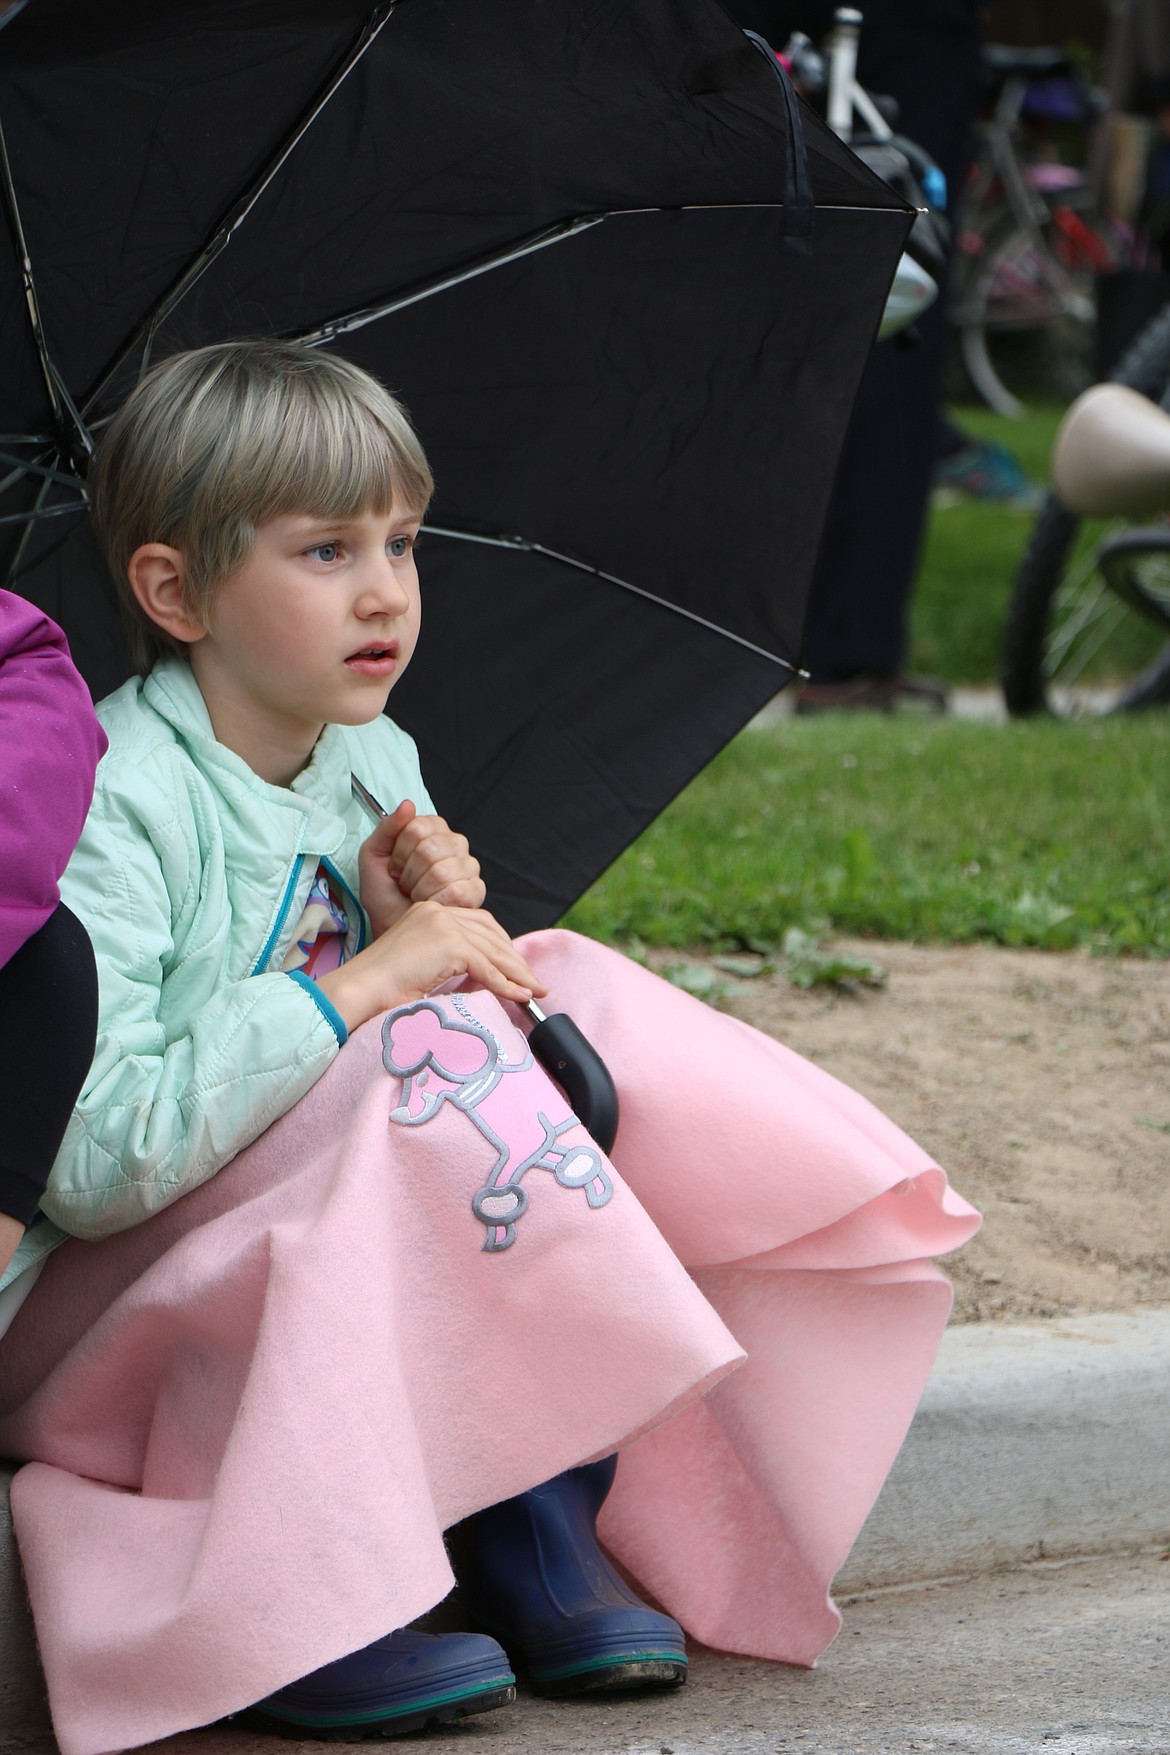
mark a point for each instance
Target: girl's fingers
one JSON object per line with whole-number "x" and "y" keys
{"x": 510, "y": 980}
{"x": 443, "y": 854}
{"x": 429, "y": 946}
{"x": 451, "y": 885}
{"x": 386, "y": 832}
{"x": 493, "y": 943}
{"x": 485, "y": 974}
{"x": 433, "y": 944}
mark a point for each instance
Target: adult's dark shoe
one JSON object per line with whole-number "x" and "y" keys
{"x": 545, "y": 1590}
{"x": 860, "y": 694}
{"x": 872, "y": 694}
{"x": 400, "y": 1683}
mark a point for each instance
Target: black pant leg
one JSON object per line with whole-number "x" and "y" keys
{"x": 48, "y": 1029}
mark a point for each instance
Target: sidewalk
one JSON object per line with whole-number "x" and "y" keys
{"x": 1066, "y": 1659}
{"x": 985, "y": 705}
{"x": 1032, "y": 1444}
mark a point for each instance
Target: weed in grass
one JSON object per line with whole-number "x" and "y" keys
{"x": 701, "y": 981}
{"x": 802, "y": 959}
{"x": 808, "y": 964}
{"x": 744, "y": 968}
{"x": 1032, "y": 919}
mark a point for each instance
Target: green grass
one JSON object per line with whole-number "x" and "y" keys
{"x": 1030, "y": 437}
{"x": 1040, "y": 833}
{"x": 970, "y": 557}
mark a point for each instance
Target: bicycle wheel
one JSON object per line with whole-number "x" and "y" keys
{"x": 1025, "y": 315}
{"x": 1069, "y": 631}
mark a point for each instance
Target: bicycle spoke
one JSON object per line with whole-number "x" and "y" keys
{"x": 1088, "y": 612}
{"x": 1066, "y": 641}
{"x": 1083, "y": 602}
{"x": 1154, "y": 576}
{"x": 1105, "y": 624}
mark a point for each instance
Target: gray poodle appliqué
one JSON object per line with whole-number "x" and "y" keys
{"x": 458, "y": 1060}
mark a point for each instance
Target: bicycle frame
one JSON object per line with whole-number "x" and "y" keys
{"x": 1001, "y": 163}
{"x": 846, "y": 98}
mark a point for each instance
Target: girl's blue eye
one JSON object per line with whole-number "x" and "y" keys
{"x": 326, "y": 551}
{"x": 399, "y": 547}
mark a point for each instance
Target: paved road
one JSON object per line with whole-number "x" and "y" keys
{"x": 1059, "y": 1659}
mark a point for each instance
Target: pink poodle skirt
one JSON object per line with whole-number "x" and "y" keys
{"x": 248, "y": 1422}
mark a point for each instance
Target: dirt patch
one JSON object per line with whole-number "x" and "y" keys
{"x": 1041, "y": 1083}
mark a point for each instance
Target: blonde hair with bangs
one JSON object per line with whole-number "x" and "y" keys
{"x": 214, "y": 443}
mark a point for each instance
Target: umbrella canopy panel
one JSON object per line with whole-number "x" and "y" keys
{"x": 564, "y": 234}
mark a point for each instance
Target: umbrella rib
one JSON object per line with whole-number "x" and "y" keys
{"x": 22, "y": 467}
{"x": 30, "y": 518}
{"x": 144, "y": 334}
{"x": 351, "y": 320}
{"x": 13, "y": 476}
{"x": 26, "y": 533}
{"x": 539, "y": 240}
{"x": 59, "y": 398}
{"x": 525, "y": 546}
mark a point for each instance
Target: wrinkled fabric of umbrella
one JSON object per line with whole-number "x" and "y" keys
{"x": 631, "y": 386}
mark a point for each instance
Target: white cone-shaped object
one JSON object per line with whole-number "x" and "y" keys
{"x": 912, "y": 293}
{"x": 1112, "y": 455}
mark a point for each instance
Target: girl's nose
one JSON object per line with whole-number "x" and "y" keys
{"x": 385, "y": 589}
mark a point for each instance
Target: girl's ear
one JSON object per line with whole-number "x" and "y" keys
{"x": 157, "y": 575}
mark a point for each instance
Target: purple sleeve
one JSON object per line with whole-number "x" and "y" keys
{"x": 50, "y": 745}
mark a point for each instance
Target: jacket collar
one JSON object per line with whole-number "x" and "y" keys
{"x": 318, "y": 796}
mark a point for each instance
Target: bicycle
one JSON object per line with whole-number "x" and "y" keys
{"x": 867, "y": 124}
{"x": 1029, "y": 242}
{"x": 1091, "y": 597}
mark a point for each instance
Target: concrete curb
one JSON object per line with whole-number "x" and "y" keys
{"x": 1031, "y": 1442}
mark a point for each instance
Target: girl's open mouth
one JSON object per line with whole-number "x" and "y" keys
{"x": 374, "y": 660}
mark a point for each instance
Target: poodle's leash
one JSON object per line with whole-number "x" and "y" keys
{"x": 568, "y": 1056}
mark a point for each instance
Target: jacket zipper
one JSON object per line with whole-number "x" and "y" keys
{"x": 359, "y": 911}
{"x": 290, "y": 889}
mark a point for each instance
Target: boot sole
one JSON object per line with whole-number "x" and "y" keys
{"x": 593, "y": 1663}
{"x": 612, "y": 1678}
{"x": 438, "y": 1712}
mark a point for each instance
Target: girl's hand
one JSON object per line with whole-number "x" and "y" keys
{"x": 408, "y": 859}
{"x": 430, "y": 945}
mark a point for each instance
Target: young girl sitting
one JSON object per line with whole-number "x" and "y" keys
{"x": 338, "y": 1267}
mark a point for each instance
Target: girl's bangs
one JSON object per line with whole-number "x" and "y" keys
{"x": 338, "y": 458}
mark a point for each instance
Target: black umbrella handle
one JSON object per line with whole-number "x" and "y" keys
{"x": 571, "y": 1059}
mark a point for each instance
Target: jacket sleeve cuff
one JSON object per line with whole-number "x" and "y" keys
{"x": 334, "y": 1016}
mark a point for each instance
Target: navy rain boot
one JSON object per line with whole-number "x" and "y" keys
{"x": 544, "y": 1589}
{"x": 398, "y": 1684}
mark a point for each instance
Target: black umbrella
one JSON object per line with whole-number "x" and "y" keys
{"x": 626, "y": 305}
